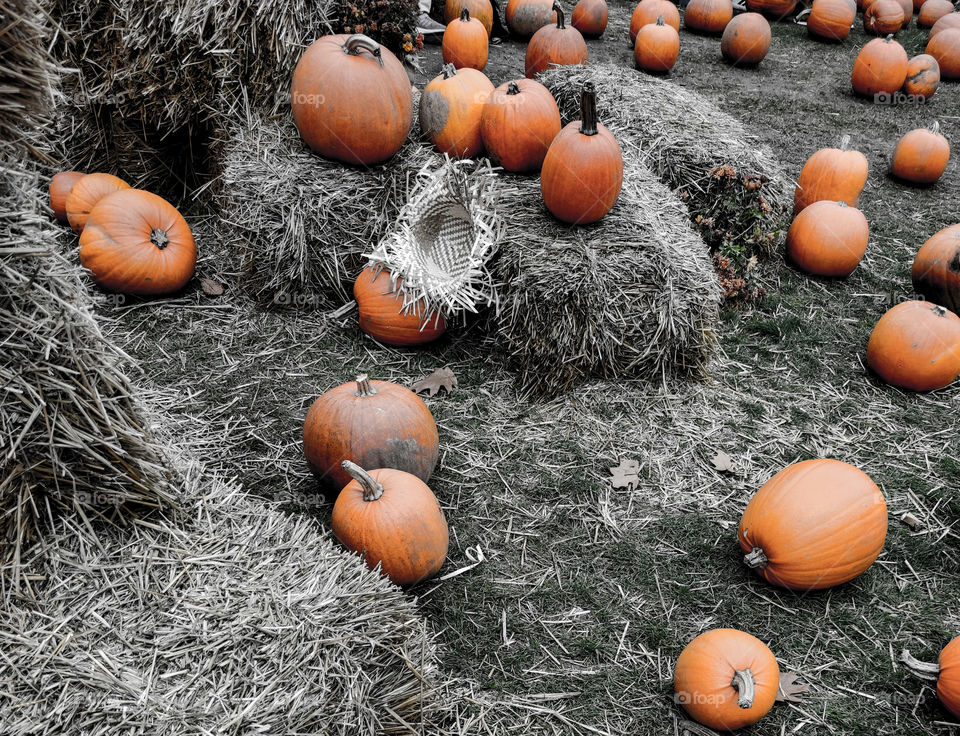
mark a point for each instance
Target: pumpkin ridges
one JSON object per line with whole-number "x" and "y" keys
{"x": 880, "y": 67}
{"x": 923, "y": 77}
{"x": 465, "y": 43}
{"x": 657, "y": 47}
{"x": 828, "y": 239}
{"x": 590, "y": 17}
{"x": 379, "y": 306}
{"x": 481, "y": 10}
{"x": 933, "y": 10}
{"x": 831, "y": 19}
{"x": 945, "y": 48}
{"x": 951, "y": 20}
{"x": 936, "y": 269}
{"x": 647, "y": 11}
{"x": 451, "y": 107}
{"x": 526, "y": 17}
{"x": 916, "y": 346}
{"x": 517, "y": 129}
{"x": 60, "y": 185}
{"x": 746, "y": 39}
{"x": 921, "y": 156}
{"x": 883, "y": 17}
{"x": 708, "y": 16}
{"x": 554, "y": 45}
{"x": 86, "y": 192}
{"x": 836, "y": 174}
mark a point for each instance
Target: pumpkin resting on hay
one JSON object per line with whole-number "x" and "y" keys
{"x": 384, "y": 316}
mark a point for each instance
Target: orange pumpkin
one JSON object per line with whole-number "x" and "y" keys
{"x": 813, "y": 525}
{"x": 555, "y": 46}
{"x": 932, "y": 11}
{"x": 85, "y": 193}
{"x": 945, "y": 23}
{"x": 519, "y": 122}
{"x": 393, "y": 519}
{"x": 481, "y": 10}
{"x": 726, "y": 679}
{"x": 351, "y": 99}
{"x": 828, "y": 239}
{"x": 138, "y": 243}
{"x": 936, "y": 269}
{"x": 948, "y": 682}
{"x": 583, "y": 170}
{"x": 883, "y": 17}
{"x": 60, "y": 186}
{"x": 923, "y": 77}
{"x": 647, "y": 11}
{"x": 776, "y": 9}
{"x": 921, "y": 156}
{"x": 590, "y": 17}
{"x": 837, "y": 174}
{"x": 880, "y": 67}
{"x": 657, "y": 47}
{"x": 907, "y": 7}
{"x": 831, "y": 19}
{"x": 916, "y": 346}
{"x": 450, "y": 110}
{"x": 708, "y": 16}
{"x": 378, "y": 423}
{"x": 746, "y": 39}
{"x": 945, "y": 48}
{"x": 380, "y": 308}
{"x": 465, "y": 43}
{"x": 526, "y": 17}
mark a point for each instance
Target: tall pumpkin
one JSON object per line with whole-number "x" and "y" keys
{"x": 883, "y": 17}
{"x": 746, "y": 39}
{"x": 945, "y": 48}
{"x": 590, "y": 17}
{"x": 933, "y": 10}
{"x": 921, "y": 156}
{"x": 583, "y": 170}
{"x": 708, "y": 16}
{"x": 648, "y": 11}
{"x": 831, "y": 19}
{"x": 465, "y": 43}
{"x": 482, "y": 10}
{"x": 450, "y": 110}
{"x": 85, "y": 193}
{"x": 775, "y": 9}
{"x": 520, "y": 119}
{"x": 351, "y": 99}
{"x": 381, "y": 312}
{"x": 923, "y": 77}
{"x": 813, "y": 525}
{"x": 880, "y": 67}
{"x": 836, "y": 174}
{"x": 657, "y": 47}
{"x": 936, "y": 269}
{"x": 828, "y": 239}
{"x": 60, "y": 186}
{"x": 526, "y": 17}
{"x": 916, "y": 346}
{"x": 555, "y": 46}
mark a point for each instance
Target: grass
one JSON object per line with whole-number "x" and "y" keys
{"x": 587, "y": 594}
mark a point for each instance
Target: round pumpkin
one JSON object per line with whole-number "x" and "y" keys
{"x": 916, "y": 346}
{"x": 813, "y": 525}
{"x": 647, "y": 11}
{"x": 351, "y": 99}
{"x": 828, "y": 239}
{"x": 555, "y": 45}
{"x": 932, "y": 11}
{"x": 708, "y": 16}
{"x": 880, "y": 67}
{"x": 836, "y": 174}
{"x": 85, "y": 193}
{"x": 520, "y": 119}
{"x": 60, "y": 186}
{"x": 657, "y": 47}
{"x": 945, "y": 48}
{"x": 726, "y": 679}
{"x": 583, "y": 170}
{"x": 907, "y": 7}
{"x": 923, "y": 77}
{"x": 393, "y": 519}
{"x": 746, "y": 39}
{"x": 377, "y": 423}
{"x": 590, "y": 17}
{"x": 936, "y": 269}
{"x": 526, "y": 17}
{"x": 831, "y": 19}
{"x": 465, "y": 43}
{"x": 450, "y": 110}
{"x": 921, "y": 156}
{"x": 945, "y": 23}
{"x": 481, "y": 10}
{"x": 776, "y": 9}
{"x": 883, "y": 17}
{"x": 138, "y": 243}
{"x": 380, "y": 308}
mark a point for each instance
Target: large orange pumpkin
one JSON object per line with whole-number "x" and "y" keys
{"x": 60, "y": 186}
{"x": 481, "y": 10}
{"x": 519, "y": 122}
{"x": 831, "y": 19}
{"x": 526, "y": 17}
{"x": 351, "y": 99}
{"x": 815, "y": 524}
{"x": 746, "y": 39}
{"x": 465, "y": 43}
{"x": 923, "y": 77}
{"x": 393, "y": 519}
{"x": 916, "y": 346}
{"x": 377, "y": 423}
{"x": 590, "y": 17}
{"x": 450, "y": 110}
{"x": 555, "y": 45}
{"x": 381, "y": 312}
{"x": 837, "y": 174}
{"x": 708, "y": 16}
{"x": 936, "y": 269}
{"x": 726, "y": 679}
{"x": 880, "y": 67}
{"x": 828, "y": 239}
{"x": 583, "y": 170}
{"x": 776, "y": 9}
{"x": 947, "y": 22}
{"x": 945, "y": 48}
{"x": 657, "y": 47}
{"x": 85, "y": 193}
{"x": 933, "y": 10}
{"x": 647, "y": 11}
{"x": 883, "y": 17}
{"x": 921, "y": 156}
{"x": 138, "y": 243}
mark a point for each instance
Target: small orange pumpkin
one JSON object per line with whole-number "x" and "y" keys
{"x": 555, "y": 46}
{"x": 726, "y": 679}
{"x": 916, "y": 346}
{"x": 60, "y": 186}
{"x": 657, "y": 47}
{"x": 921, "y": 156}
{"x": 952, "y": 20}
{"x": 465, "y": 43}
{"x": 883, "y": 17}
{"x": 836, "y": 174}
{"x": 481, "y": 10}
{"x": 708, "y": 16}
{"x": 936, "y": 269}
{"x": 519, "y": 122}
{"x": 393, "y": 519}
{"x": 932, "y": 11}
{"x": 746, "y": 39}
{"x": 135, "y": 242}
{"x": 776, "y": 9}
{"x": 381, "y": 312}
{"x": 647, "y": 11}
{"x": 948, "y": 682}
{"x": 945, "y": 48}
{"x": 86, "y": 192}
{"x": 880, "y": 67}
{"x": 590, "y": 17}
{"x": 923, "y": 77}
{"x": 450, "y": 110}
{"x": 526, "y": 17}
{"x": 828, "y": 239}
{"x": 831, "y": 19}
{"x": 813, "y": 525}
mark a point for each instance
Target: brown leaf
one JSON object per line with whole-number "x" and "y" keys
{"x": 211, "y": 287}
{"x": 626, "y": 474}
{"x": 791, "y": 688}
{"x": 440, "y": 378}
{"x": 723, "y": 462}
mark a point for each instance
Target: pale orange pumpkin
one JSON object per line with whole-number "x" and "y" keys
{"x": 945, "y": 48}
{"x": 657, "y": 47}
{"x": 450, "y": 109}
{"x": 590, "y": 17}
{"x": 836, "y": 174}
{"x": 933, "y": 10}
{"x": 381, "y": 312}
{"x": 828, "y": 239}
{"x": 831, "y": 19}
{"x": 916, "y": 346}
{"x": 746, "y": 39}
{"x": 60, "y": 186}
{"x": 923, "y": 77}
{"x": 936, "y": 269}
{"x": 952, "y": 20}
{"x": 921, "y": 156}
{"x": 883, "y": 17}
{"x": 647, "y": 11}
{"x": 465, "y": 43}
{"x": 555, "y": 45}
{"x": 708, "y": 16}
{"x": 880, "y": 67}
{"x": 86, "y": 192}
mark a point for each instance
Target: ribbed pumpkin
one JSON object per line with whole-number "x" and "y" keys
{"x": 776, "y": 9}
{"x": 85, "y": 193}
{"x": 393, "y": 519}
{"x": 135, "y": 242}
{"x": 836, "y": 174}
{"x": 813, "y": 525}
{"x": 465, "y": 43}
{"x": 881, "y": 66}
{"x": 583, "y": 170}
{"x": 60, "y": 186}
{"x": 726, "y": 679}
{"x": 907, "y": 6}
{"x": 932, "y": 11}
{"x": 936, "y": 269}
{"x": 831, "y": 19}
{"x": 657, "y": 47}
{"x": 647, "y": 11}
{"x": 708, "y": 16}
{"x": 883, "y": 17}
{"x": 916, "y": 346}
{"x": 828, "y": 239}
{"x": 519, "y": 122}
{"x": 555, "y": 45}
{"x": 351, "y": 99}
{"x": 450, "y": 110}
{"x": 921, "y": 156}
{"x": 481, "y": 10}
{"x": 945, "y": 23}
{"x": 923, "y": 77}
{"x": 590, "y": 17}
{"x": 381, "y": 315}
{"x": 746, "y": 39}
{"x": 945, "y": 48}
{"x": 377, "y": 423}
{"x": 526, "y": 17}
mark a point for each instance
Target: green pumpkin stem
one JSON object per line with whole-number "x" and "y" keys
{"x": 513, "y": 88}
{"x": 372, "y": 491}
{"x": 465, "y": 15}
{"x": 561, "y": 23}
{"x": 449, "y": 70}
{"x": 159, "y": 238}
{"x": 922, "y": 670}
{"x": 358, "y": 41}
{"x": 745, "y": 686}
{"x": 363, "y": 386}
{"x": 756, "y": 558}
{"x": 588, "y": 109}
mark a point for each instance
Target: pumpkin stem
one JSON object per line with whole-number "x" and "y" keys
{"x": 372, "y": 491}
{"x": 756, "y": 558}
{"x": 559, "y": 11}
{"x": 588, "y": 109}
{"x": 659, "y": 20}
{"x": 845, "y": 143}
{"x": 922, "y": 670}
{"x": 935, "y": 128}
{"x": 159, "y": 238}
{"x": 513, "y": 88}
{"x": 363, "y": 386}
{"x": 938, "y": 310}
{"x": 358, "y": 41}
{"x": 449, "y": 70}
{"x": 465, "y": 15}
{"x": 745, "y": 686}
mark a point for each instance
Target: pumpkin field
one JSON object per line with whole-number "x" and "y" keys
{"x": 675, "y": 450}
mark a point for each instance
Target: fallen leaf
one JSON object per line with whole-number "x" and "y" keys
{"x": 440, "y": 378}
{"x": 626, "y": 474}
{"x": 723, "y": 462}
{"x": 790, "y": 688}
{"x": 211, "y": 287}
